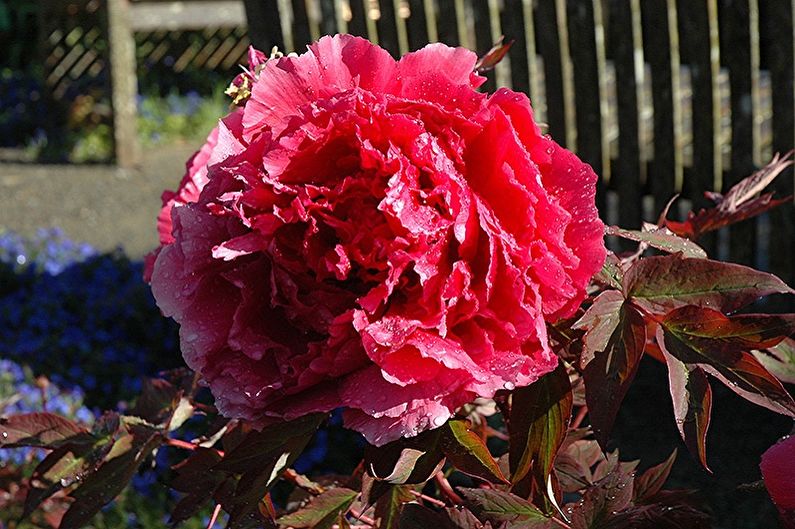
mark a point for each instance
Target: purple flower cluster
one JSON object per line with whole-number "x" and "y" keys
{"x": 82, "y": 319}
{"x": 50, "y": 251}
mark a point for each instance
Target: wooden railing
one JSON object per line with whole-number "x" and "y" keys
{"x": 659, "y": 96}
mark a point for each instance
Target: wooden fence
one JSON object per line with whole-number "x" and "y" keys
{"x": 659, "y": 96}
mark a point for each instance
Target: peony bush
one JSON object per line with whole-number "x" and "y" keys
{"x": 379, "y": 238}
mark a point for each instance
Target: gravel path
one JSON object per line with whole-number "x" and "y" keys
{"x": 104, "y": 206}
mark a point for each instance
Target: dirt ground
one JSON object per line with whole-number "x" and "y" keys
{"x": 104, "y": 206}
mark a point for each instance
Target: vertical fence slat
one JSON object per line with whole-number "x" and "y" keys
{"x": 357, "y": 25}
{"x": 533, "y": 67}
{"x": 735, "y": 19}
{"x": 503, "y": 69}
{"x": 549, "y": 48}
{"x": 429, "y": 8}
{"x": 267, "y": 33}
{"x": 370, "y": 8}
{"x": 567, "y": 75}
{"x": 513, "y": 28}
{"x": 417, "y": 25}
{"x": 600, "y": 47}
{"x": 123, "y": 81}
{"x": 285, "y": 12}
{"x": 328, "y": 18}
{"x": 314, "y": 17}
{"x": 342, "y": 14}
{"x": 586, "y": 84}
{"x": 302, "y": 34}
{"x": 621, "y": 46}
{"x": 777, "y": 55}
{"x": 482, "y": 35}
{"x": 661, "y": 46}
{"x": 386, "y": 24}
{"x": 447, "y": 23}
{"x": 694, "y": 31}
{"x": 402, "y": 11}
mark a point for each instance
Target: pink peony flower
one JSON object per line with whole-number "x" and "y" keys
{"x": 375, "y": 235}
{"x": 778, "y": 471}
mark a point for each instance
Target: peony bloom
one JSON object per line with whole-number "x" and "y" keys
{"x": 778, "y": 471}
{"x": 375, "y": 235}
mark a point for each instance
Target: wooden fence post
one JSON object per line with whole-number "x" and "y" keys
{"x": 123, "y": 83}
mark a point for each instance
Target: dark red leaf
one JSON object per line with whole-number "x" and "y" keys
{"x": 740, "y": 202}
{"x": 599, "y": 322}
{"x": 648, "y": 484}
{"x": 493, "y": 56}
{"x": 720, "y": 344}
{"x": 661, "y": 283}
{"x": 719, "y": 334}
{"x": 574, "y": 462}
{"x": 157, "y": 401}
{"x": 606, "y": 498}
{"x": 114, "y": 474}
{"x": 45, "y": 430}
{"x": 609, "y": 374}
{"x": 257, "y": 446}
{"x": 406, "y": 461}
{"x": 692, "y": 400}
{"x": 539, "y": 417}
{"x": 415, "y": 516}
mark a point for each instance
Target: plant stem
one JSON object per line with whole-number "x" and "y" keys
{"x": 447, "y": 489}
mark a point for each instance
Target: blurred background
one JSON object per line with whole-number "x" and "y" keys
{"x": 103, "y": 101}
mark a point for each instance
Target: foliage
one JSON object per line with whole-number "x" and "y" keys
{"x": 178, "y": 117}
{"x": 539, "y": 466}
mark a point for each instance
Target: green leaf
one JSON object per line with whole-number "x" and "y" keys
{"x": 388, "y": 506}
{"x": 779, "y": 360}
{"x": 648, "y": 484}
{"x": 662, "y": 239}
{"x": 322, "y": 511}
{"x": 719, "y": 344}
{"x": 467, "y": 452}
{"x": 599, "y": 322}
{"x": 61, "y": 468}
{"x": 539, "y": 417}
{"x": 662, "y": 283}
{"x": 608, "y": 376}
{"x": 44, "y": 430}
{"x": 498, "y": 506}
{"x": 611, "y": 273}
